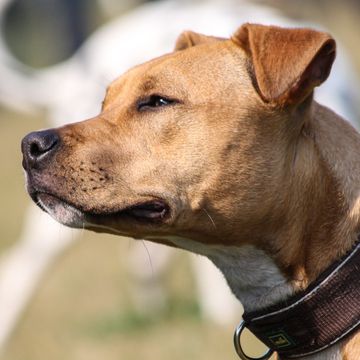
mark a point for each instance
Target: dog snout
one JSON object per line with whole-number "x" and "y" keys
{"x": 38, "y": 147}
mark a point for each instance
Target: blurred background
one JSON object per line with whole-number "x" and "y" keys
{"x": 67, "y": 294}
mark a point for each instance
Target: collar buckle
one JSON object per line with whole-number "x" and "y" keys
{"x": 238, "y": 347}
{"x": 312, "y": 320}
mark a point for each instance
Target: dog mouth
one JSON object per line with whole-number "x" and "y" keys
{"x": 154, "y": 211}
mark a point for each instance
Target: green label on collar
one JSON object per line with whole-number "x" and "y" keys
{"x": 280, "y": 339}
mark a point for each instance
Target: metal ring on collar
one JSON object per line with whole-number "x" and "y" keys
{"x": 238, "y": 348}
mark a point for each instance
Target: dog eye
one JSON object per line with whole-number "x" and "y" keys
{"x": 153, "y": 101}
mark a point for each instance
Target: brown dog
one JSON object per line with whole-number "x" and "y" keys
{"x": 217, "y": 148}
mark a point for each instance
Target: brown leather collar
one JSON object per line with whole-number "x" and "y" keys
{"x": 313, "y": 320}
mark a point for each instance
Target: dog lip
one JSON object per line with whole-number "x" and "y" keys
{"x": 62, "y": 211}
{"x": 151, "y": 211}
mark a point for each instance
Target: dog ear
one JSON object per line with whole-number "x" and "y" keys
{"x": 189, "y": 39}
{"x": 286, "y": 63}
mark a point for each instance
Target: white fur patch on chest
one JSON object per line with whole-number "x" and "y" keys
{"x": 251, "y": 274}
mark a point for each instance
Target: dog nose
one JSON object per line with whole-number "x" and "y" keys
{"x": 38, "y": 146}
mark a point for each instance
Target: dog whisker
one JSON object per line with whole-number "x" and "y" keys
{"x": 149, "y": 257}
{"x": 209, "y": 216}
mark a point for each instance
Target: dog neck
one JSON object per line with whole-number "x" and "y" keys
{"x": 251, "y": 274}
{"x": 320, "y": 222}
{"x": 320, "y": 225}
{"x": 253, "y": 277}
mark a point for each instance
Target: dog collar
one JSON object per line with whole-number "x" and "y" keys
{"x": 314, "y": 319}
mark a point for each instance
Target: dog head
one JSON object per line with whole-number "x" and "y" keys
{"x": 197, "y": 143}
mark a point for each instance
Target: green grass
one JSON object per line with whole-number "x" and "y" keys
{"x": 83, "y": 310}
{"x": 132, "y": 322}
